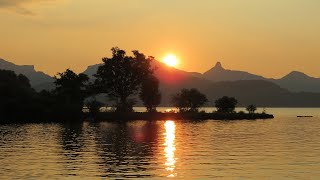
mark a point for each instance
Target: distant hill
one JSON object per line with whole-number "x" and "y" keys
{"x": 263, "y": 94}
{"x": 173, "y": 80}
{"x": 259, "y": 92}
{"x": 294, "y": 81}
{"x": 36, "y": 77}
{"x": 91, "y": 70}
{"x": 299, "y": 82}
{"x": 218, "y": 74}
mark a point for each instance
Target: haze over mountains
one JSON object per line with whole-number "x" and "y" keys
{"x": 293, "y": 90}
{"x": 37, "y": 78}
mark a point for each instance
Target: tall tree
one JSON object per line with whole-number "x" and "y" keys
{"x": 189, "y": 100}
{"x": 121, "y": 76}
{"x": 71, "y": 89}
{"x": 149, "y": 94}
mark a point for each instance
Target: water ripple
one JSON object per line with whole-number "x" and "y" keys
{"x": 283, "y": 148}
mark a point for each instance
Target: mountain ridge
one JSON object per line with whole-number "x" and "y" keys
{"x": 218, "y": 73}
{"x": 246, "y": 87}
{"x": 36, "y": 77}
{"x": 295, "y": 81}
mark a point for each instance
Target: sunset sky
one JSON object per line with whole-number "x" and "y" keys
{"x": 266, "y": 37}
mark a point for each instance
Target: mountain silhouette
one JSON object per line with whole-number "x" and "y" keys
{"x": 299, "y": 82}
{"x": 293, "y": 90}
{"x": 247, "y": 88}
{"x": 262, "y": 93}
{"x": 91, "y": 70}
{"x": 218, "y": 74}
{"x": 37, "y": 78}
{"x": 295, "y": 81}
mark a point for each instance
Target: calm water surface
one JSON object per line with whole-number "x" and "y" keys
{"x": 283, "y": 148}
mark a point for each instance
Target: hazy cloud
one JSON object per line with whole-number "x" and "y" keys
{"x": 12, "y": 3}
{"x": 19, "y": 5}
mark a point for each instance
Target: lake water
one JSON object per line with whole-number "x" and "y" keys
{"x": 286, "y": 147}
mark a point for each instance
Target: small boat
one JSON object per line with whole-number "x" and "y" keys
{"x": 304, "y": 116}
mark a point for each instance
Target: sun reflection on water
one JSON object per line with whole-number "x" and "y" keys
{"x": 170, "y": 147}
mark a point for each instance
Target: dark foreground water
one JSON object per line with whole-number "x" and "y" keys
{"x": 283, "y": 148}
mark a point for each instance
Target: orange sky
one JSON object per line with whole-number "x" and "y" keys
{"x": 266, "y": 37}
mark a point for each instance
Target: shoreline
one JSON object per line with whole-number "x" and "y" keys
{"x": 145, "y": 116}
{"x": 114, "y": 116}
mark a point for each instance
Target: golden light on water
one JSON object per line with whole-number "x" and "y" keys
{"x": 170, "y": 147}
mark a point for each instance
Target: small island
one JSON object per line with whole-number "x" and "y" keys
{"x": 109, "y": 116}
{"x": 188, "y": 103}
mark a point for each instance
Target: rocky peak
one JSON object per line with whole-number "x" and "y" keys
{"x": 296, "y": 75}
{"x": 17, "y": 68}
{"x": 218, "y": 66}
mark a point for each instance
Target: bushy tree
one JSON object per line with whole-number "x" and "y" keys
{"x": 226, "y": 104}
{"x": 189, "y": 100}
{"x": 251, "y": 108}
{"x": 149, "y": 94}
{"x": 121, "y": 76}
{"x": 70, "y": 90}
{"x": 15, "y": 95}
{"x": 19, "y": 102}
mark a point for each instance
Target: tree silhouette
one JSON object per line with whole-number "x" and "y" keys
{"x": 149, "y": 94}
{"x": 251, "y": 108}
{"x": 15, "y": 95}
{"x": 226, "y": 104}
{"x": 189, "y": 100}
{"x": 70, "y": 90}
{"x": 121, "y": 76}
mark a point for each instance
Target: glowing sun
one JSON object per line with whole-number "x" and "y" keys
{"x": 171, "y": 60}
